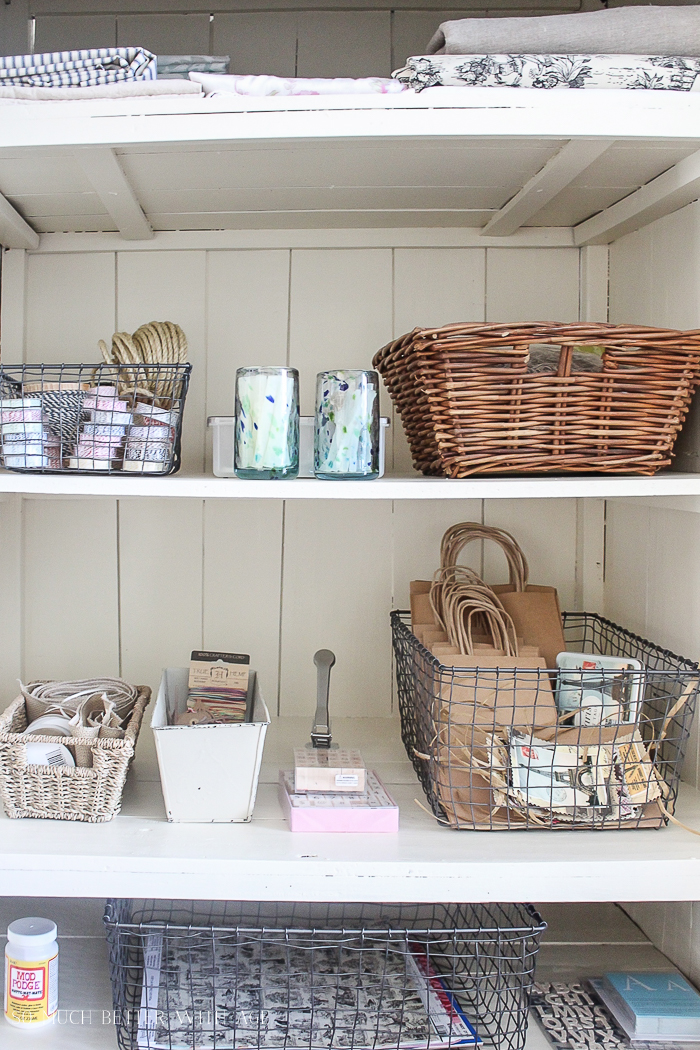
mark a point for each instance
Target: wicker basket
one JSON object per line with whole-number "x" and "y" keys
{"x": 469, "y": 406}
{"x": 58, "y": 793}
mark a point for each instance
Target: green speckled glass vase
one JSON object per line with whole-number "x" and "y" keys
{"x": 267, "y": 423}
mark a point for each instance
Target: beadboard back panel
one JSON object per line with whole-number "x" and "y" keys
{"x": 129, "y": 586}
{"x": 313, "y": 38}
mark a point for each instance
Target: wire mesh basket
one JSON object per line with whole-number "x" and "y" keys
{"x": 519, "y": 747}
{"x": 103, "y": 419}
{"x": 304, "y": 976}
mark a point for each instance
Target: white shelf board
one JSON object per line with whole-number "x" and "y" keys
{"x": 432, "y": 113}
{"x": 581, "y": 942}
{"x": 139, "y": 854}
{"x": 231, "y": 163}
{"x": 387, "y": 488}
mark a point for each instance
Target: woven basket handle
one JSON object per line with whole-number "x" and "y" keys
{"x": 458, "y": 536}
{"x": 566, "y": 360}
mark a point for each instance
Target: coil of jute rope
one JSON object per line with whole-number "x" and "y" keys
{"x": 151, "y": 346}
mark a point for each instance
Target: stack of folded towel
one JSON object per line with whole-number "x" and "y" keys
{"x": 662, "y": 31}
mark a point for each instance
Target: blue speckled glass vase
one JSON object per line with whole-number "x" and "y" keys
{"x": 267, "y": 423}
{"x": 346, "y": 429}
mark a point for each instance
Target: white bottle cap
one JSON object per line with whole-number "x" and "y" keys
{"x": 32, "y": 932}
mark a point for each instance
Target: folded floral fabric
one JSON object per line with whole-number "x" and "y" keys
{"x": 629, "y": 72}
{"x": 614, "y": 31}
{"x": 105, "y": 65}
{"x": 263, "y": 86}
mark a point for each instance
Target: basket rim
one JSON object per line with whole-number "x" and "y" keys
{"x": 113, "y": 923}
{"x": 402, "y": 616}
{"x": 127, "y": 742}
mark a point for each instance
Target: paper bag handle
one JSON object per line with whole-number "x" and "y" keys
{"x": 458, "y": 536}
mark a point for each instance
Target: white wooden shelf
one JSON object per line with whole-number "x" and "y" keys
{"x": 581, "y": 941}
{"x": 592, "y": 164}
{"x": 669, "y": 484}
{"x": 139, "y": 854}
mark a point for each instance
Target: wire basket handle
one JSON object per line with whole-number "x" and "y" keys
{"x": 458, "y": 536}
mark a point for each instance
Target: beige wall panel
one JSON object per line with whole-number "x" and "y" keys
{"x": 70, "y": 306}
{"x": 165, "y": 34}
{"x": 344, "y": 44}
{"x": 433, "y": 286}
{"x": 160, "y": 560}
{"x": 337, "y": 595}
{"x": 11, "y": 600}
{"x": 136, "y": 7}
{"x": 340, "y": 312}
{"x": 71, "y": 624}
{"x": 673, "y": 610}
{"x": 74, "y": 32}
{"x": 13, "y": 305}
{"x": 631, "y": 270}
{"x": 532, "y": 284}
{"x": 257, "y": 41}
{"x": 171, "y": 286}
{"x": 242, "y": 584}
{"x": 247, "y": 320}
{"x": 418, "y": 528}
{"x": 546, "y": 531}
{"x": 676, "y": 269}
{"x": 626, "y": 565}
{"x": 14, "y": 28}
{"x": 411, "y": 31}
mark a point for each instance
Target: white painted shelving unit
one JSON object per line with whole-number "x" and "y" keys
{"x": 302, "y": 230}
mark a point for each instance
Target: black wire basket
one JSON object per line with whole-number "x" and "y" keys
{"x": 519, "y": 746}
{"x": 301, "y": 976}
{"x": 92, "y": 419}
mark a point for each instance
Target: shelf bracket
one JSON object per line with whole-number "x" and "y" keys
{"x": 666, "y": 193}
{"x": 15, "y": 232}
{"x": 106, "y": 176}
{"x": 559, "y": 171}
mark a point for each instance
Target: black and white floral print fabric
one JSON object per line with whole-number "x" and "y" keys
{"x": 630, "y": 72}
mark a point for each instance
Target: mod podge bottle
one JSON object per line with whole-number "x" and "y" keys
{"x": 31, "y": 973}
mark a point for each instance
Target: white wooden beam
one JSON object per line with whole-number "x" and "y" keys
{"x": 107, "y": 178}
{"x": 666, "y": 193}
{"x": 558, "y": 172}
{"x": 15, "y": 232}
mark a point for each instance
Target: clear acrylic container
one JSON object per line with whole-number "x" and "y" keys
{"x": 267, "y": 423}
{"x": 346, "y": 431}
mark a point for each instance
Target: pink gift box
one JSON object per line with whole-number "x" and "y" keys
{"x": 373, "y": 812}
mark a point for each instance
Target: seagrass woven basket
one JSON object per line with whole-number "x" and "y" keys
{"x": 469, "y": 405}
{"x": 61, "y": 793}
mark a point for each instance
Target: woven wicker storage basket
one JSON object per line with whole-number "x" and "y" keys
{"x": 469, "y": 406}
{"x": 58, "y": 793}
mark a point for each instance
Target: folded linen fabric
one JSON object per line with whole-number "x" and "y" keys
{"x": 263, "y": 86}
{"x": 104, "y": 65}
{"x": 629, "y": 72}
{"x": 614, "y": 31}
{"x": 124, "y": 89}
{"x": 180, "y": 65}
